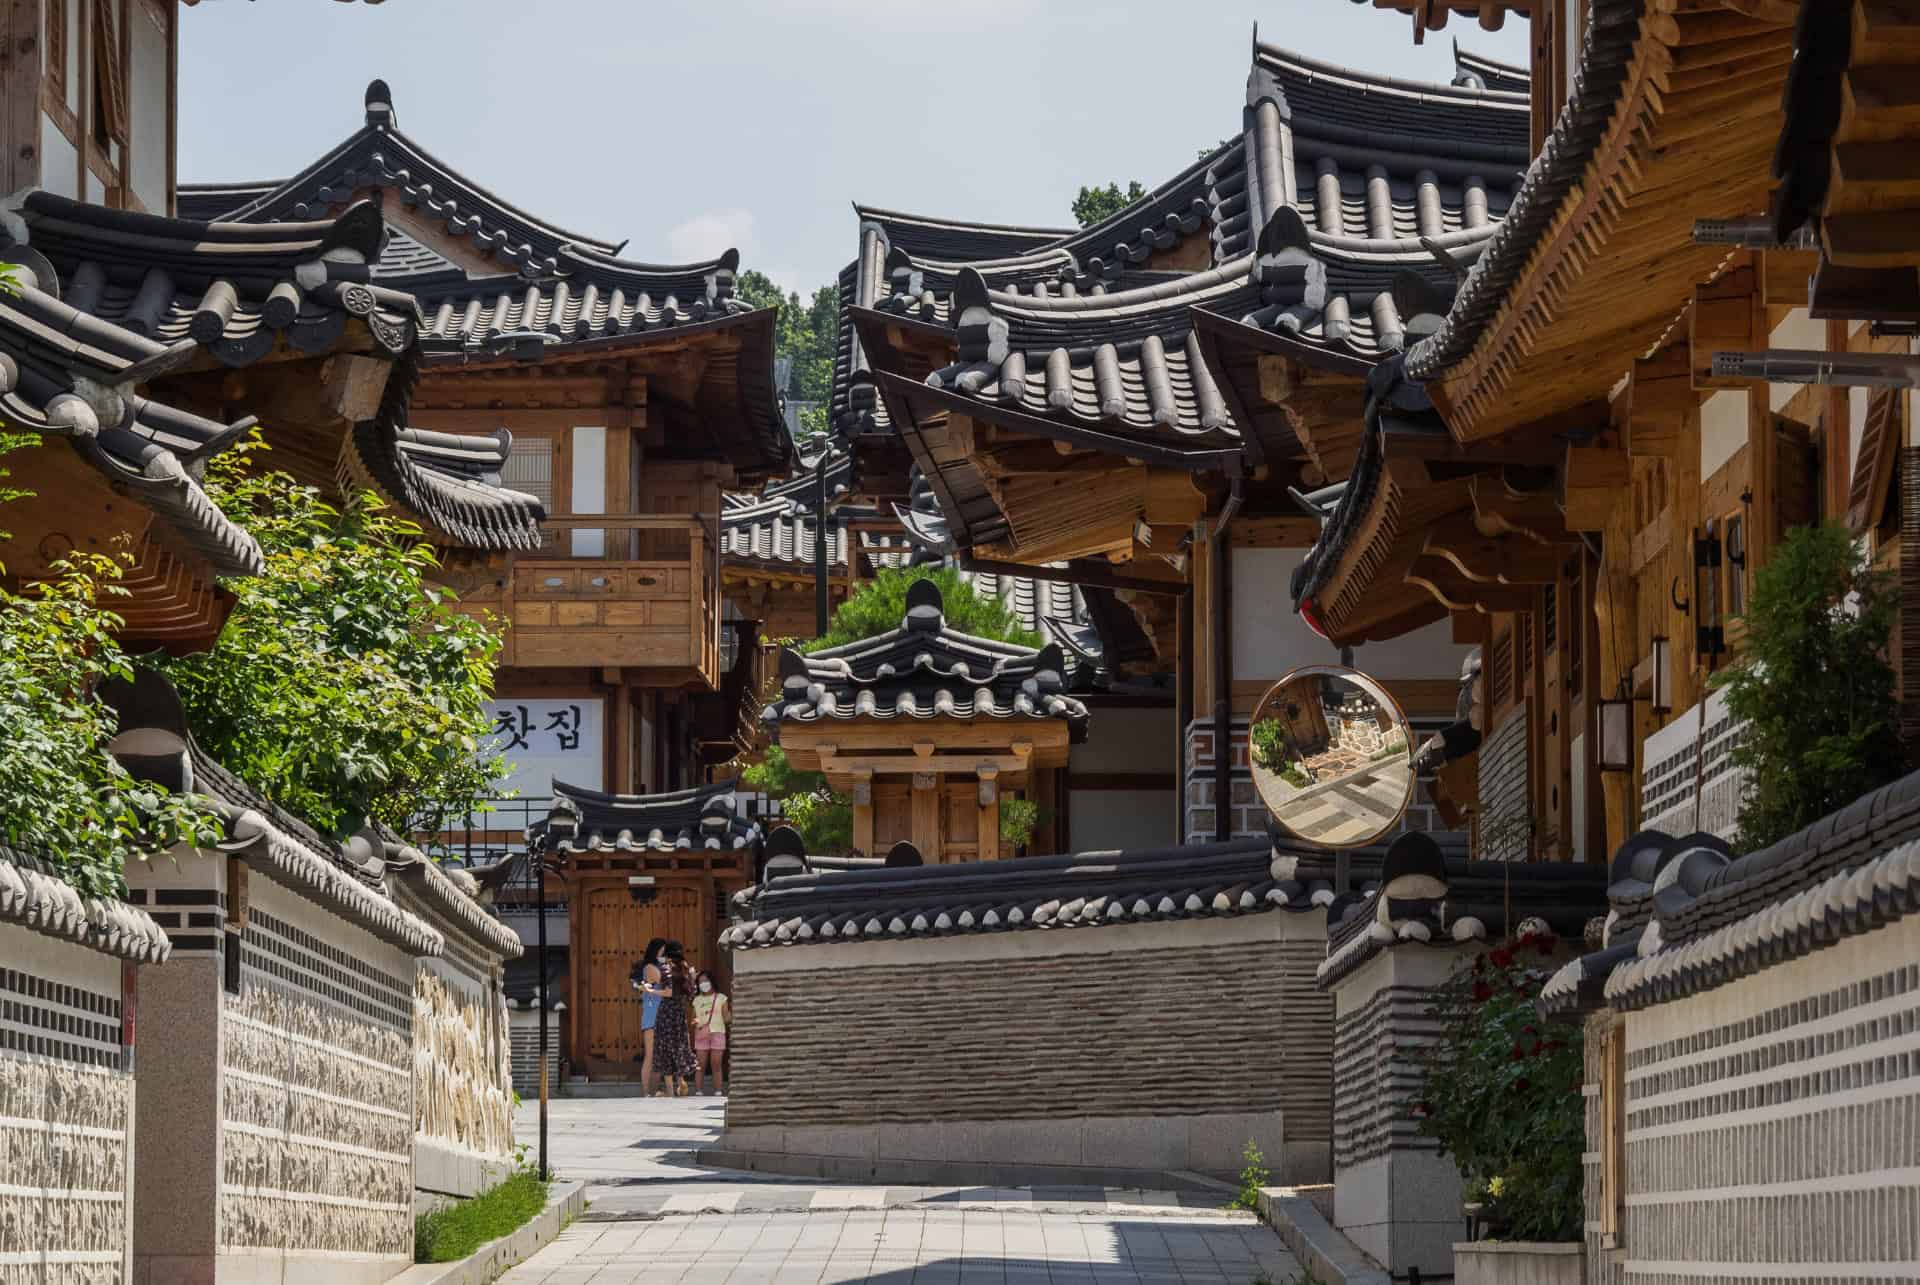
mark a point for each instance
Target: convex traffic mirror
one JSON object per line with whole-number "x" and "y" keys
{"x": 1332, "y": 756}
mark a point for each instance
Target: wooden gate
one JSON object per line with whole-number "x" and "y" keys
{"x": 617, "y": 933}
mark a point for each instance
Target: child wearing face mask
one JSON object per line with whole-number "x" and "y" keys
{"x": 710, "y": 1014}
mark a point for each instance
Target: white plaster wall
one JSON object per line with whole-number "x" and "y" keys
{"x": 148, "y": 105}
{"x": 65, "y": 1119}
{"x": 58, "y": 160}
{"x": 1104, "y": 819}
{"x": 1269, "y": 638}
{"x": 1723, "y": 429}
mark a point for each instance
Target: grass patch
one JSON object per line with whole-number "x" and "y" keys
{"x": 450, "y": 1234}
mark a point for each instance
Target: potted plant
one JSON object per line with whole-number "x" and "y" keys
{"x": 1501, "y": 1092}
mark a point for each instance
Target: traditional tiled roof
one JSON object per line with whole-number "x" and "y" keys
{"x": 154, "y": 744}
{"x": 551, "y": 292}
{"x": 64, "y": 374}
{"x": 237, "y": 290}
{"x": 1381, "y": 173}
{"x": 451, "y": 894}
{"x": 1427, "y": 896}
{"x": 450, "y": 479}
{"x": 924, "y": 670}
{"x": 33, "y": 895}
{"x": 1079, "y": 890}
{"x": 1474, "y": 71}
{"x": 706, "y": 816}
{"x": 1687, "y": 916}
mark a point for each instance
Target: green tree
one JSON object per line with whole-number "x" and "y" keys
{"x": 60, "y": 791}
{"x": 806, "y": 332}
{"x": 1096, "y": 204}
{"x": 1813, "y": 685}
{"x": 823, "y": 816}
{"x": 881, "y": 603}
{"x": 344, "y": 687}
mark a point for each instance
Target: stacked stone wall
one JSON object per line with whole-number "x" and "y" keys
{"x": 317, "y": 1099}
{"x": 1506, "y": 808}
{"x": 66, "y": 1110}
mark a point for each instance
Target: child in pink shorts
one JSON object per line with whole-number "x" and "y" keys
{"x": 710, "y": 1015}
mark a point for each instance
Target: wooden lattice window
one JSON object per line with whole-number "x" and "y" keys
{"x": 57, "y": 48}
{"x": 109, "y": 78}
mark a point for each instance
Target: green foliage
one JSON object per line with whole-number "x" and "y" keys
{"x": 881, "y": 603}
{"x": 1500, "y": 1092}
{"x": 457, "y": 1231}
{"x": 60, "y": 791}
{"x": 806, "y": 331}
{"x": 1095, "y": 204}
{"x": 1018, "y": 817}
{"x": 1253, "y": 1176}
{"x": 344, "y": 687}
{"x": 1269, "y": 738}
{"x": 1813, "y": 685}
{"x": 823, "y": 816}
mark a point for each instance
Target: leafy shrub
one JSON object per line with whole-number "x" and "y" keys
{"x": 879, "y": 605}
{"x": 1254, "y": 1175}
{"x": 450, "y": 1234}
{"x": 344, "y": 686}
{"x": 1018, "y": 817}
{"x": 1269, "y": 741}
{"x": 1813, "y": 685}
{"x": 61, "y": 793}
{"x": 1295, "y": 774}
{"x": 822, "y": 815}
{"x": 1500, "y": 1092}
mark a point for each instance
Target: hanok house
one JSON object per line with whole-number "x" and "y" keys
{"x": 1749, "y": 1090}
{"x": 637, "y": 867}
{"x": 1147, "y": 402}
{"x": 1597, "y": 448}
{"x": 927, "y": 730}
{"x": 1390, "y": 951}
{"x": 1103, "y": 1017}
{"x": 337, "y": 1044}
{"x": 625, "y": 397}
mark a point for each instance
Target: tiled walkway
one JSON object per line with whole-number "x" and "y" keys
{"x": 655, "y": 1215}
{"x": 987, "y": 1244}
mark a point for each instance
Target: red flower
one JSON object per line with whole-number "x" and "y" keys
{"x": 1544, "y": 943}
{"x": 1421, "y": 1110}
{"x": 1522, "y": 1084}
{"x": 1479, "y": 963}
{"x": 1502, "y": 958}
{"x": 1537, "y": 1046}
{"x": 1519, "y": 1052}
{"x": 1482, "y": 991}
{"x": 1529, "y": 1030}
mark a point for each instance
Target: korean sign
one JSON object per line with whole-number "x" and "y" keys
{"x": 547, "y": 739}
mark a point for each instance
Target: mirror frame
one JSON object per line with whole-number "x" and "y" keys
{"x": 1372, "y": 687}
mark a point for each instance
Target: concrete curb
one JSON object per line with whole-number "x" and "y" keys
{"x": 1325, "y": 1253}
{"x": 947, "y": 1173}
{"x": 564, "y": 1203}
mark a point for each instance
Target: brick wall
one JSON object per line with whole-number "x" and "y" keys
{"x": 1185, "y": 1018}
{"x": 1249, "y": 813}
{"x": 1505, "y": 806}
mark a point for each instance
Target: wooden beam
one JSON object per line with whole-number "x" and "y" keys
{"x": 1596, "y": 481}
{"x": 1493, "y": 559}
{"x": 1498, "y": 510}
{"x": 1722, "y": 319}
{"x": 1458, "y": 593}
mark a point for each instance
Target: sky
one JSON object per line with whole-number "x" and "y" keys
{"x": 688, "y": 126}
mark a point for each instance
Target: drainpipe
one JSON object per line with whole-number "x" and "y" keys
{"x": 1220, "y": 586}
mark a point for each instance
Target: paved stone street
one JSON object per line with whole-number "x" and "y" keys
{"x": 654, "y": 1215}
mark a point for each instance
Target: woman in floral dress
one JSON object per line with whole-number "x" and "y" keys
{"x": 672, "y": 1034}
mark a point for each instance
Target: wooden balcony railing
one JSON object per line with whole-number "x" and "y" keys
{"x": 657, "y": 611}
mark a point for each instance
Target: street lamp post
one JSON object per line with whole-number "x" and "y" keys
{"x": 562, "y": 823}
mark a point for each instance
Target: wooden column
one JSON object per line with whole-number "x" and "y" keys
{"x": 1618, "y": 638}
{"x": 926, "y": 816}
{"x": 989, "y": 813}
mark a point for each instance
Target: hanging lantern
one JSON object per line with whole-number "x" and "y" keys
{"x": 1709, "y": 639}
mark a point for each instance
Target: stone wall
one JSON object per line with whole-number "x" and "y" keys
{"x": 1506, "y": 807}
{"x": 524, "y": 1030}
{"x": 1395, "y": 1195}
{"x": 463, "y": 1108}
{"x": 1770, "y": 1131}
{"x": 1159, "y": 1045}
{"x": 1249, "y": 814}
{"x": 317, "y": 1095}
{"x": 66, "y": 1112}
